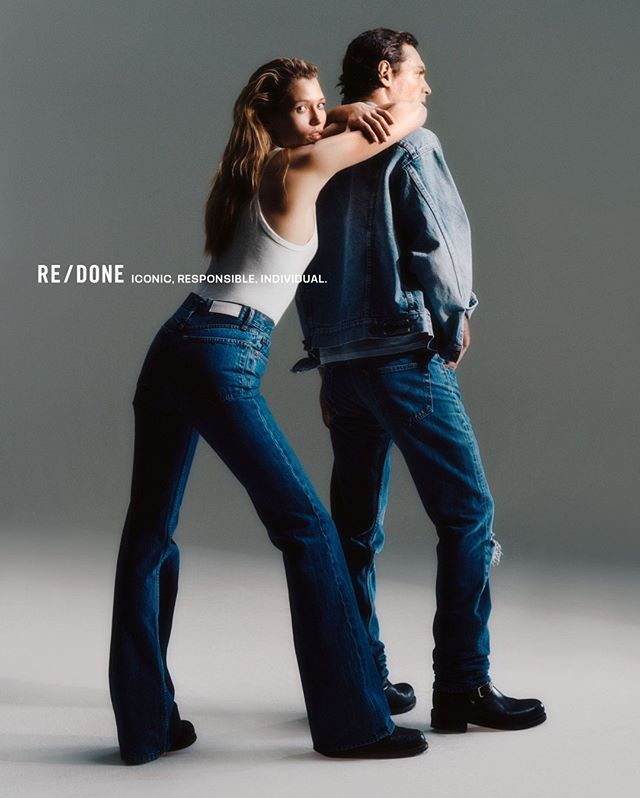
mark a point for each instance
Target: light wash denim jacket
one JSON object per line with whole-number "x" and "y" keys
{"x": 395, "y": 252}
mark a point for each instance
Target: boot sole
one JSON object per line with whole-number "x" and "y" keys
{"x": 455, "y": 725}
{"x": 382, "y": 754}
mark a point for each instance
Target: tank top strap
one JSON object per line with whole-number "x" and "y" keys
{"x": 272, "y": 153}
{"x": 255, "y": 209}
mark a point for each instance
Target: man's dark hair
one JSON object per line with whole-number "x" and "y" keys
{"x": 360, "y": 65}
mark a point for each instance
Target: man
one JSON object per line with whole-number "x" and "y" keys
{"x": 388, "y": 329}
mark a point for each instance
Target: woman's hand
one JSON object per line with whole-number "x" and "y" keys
{"x": 373, "y": 122}
{"x": 331, "y": 153}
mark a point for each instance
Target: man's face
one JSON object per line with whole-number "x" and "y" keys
{"x": 408, "y": 83}
{"x": 302, "y": 119}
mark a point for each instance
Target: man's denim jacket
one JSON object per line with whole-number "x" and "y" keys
{"x": 395, "y": 252}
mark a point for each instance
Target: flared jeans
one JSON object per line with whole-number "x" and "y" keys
{"x": 201, "y": 377}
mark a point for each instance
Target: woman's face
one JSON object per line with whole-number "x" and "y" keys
{"x": 303, "y": 115}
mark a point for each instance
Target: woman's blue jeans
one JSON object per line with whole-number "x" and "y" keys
{"x": 413, "y": 400}
{"x": 202, "y": 377}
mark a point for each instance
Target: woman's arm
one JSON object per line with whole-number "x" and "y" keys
{"x": 328, "y": 156}
{"x": 341, "y": 113}
{"x": 305, "y": 170}
{"x": 373, "y": 121}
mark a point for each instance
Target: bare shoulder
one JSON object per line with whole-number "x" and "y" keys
{"x": 300, "y": 158}
{"x": 286, "y": 161}
{"x": 276, "y": 173}
{"x": 288, "y": 182}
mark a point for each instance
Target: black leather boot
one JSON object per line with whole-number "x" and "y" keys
{"x": 181, "y": 732}
{"x": 185, "y": 737}
{"x": 400, "y": 697}
{"x": 400, "y": 743}
{"x": 484, "y": 706}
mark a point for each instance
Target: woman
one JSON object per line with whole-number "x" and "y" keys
{"x": 202, "y": 376}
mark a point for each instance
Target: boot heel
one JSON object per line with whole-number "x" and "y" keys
{"x": 443, "y": 721}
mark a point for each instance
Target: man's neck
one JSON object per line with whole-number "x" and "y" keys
{"x": 379, "y": 96}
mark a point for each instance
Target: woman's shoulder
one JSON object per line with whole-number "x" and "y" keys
{"x": 269, "y": 193}
{"x": 274, "y": 166}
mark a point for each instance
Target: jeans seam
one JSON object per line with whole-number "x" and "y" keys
{"x": 370, "y": 568}
{"x": 324, "y": 537}
{"x": 169, "y": 515}
{"x": 327, "y": 380}
{"x": 475, "y": 473}
{"x": 479, "y": 471}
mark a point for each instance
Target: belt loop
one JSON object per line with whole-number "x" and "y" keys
{"x": 191, "y": 305}
{"x": 248, "y": 316}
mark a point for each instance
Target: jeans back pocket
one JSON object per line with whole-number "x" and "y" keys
{"x": 402, "y": 387}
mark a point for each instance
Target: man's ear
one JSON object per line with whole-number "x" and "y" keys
{"x": 385, "y": 71}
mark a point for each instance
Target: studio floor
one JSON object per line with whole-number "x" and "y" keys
{"x": 568, "y": 635}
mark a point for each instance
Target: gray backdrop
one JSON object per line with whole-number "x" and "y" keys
{"x": 114, "y": 117}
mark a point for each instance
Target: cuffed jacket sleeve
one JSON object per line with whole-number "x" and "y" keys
{"x": 435, "y": 242}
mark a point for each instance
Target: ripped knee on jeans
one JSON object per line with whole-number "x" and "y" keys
{"x": 496, "y": 551}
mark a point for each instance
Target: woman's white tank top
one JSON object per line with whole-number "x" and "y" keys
{"x": 259, "y": 268}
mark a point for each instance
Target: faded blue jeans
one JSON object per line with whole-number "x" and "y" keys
{"x": 413, "y": 400}
{"x": 202, "y": 377}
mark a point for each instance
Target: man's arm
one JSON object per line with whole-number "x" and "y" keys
{"x": 435, "y": 244}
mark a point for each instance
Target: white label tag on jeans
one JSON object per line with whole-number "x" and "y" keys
{"x": 228, "y": 308}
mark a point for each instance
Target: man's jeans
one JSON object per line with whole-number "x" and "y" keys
{"x": 413, "y": 400}
{"x": 202, "y": 377}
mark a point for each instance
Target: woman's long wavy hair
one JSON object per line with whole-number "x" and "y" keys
{"x": 238, "y": 174}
